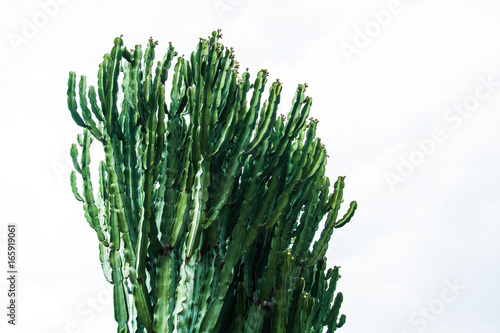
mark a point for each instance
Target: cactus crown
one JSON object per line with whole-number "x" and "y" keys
{"x": 208, "y": 201}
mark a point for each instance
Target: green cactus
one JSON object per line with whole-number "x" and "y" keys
{"x": 207, "y": 203}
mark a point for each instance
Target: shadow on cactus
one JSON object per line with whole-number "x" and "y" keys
{"x": 208, "y": 201}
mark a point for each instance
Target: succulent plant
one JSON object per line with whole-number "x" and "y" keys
{"x": 208, "y": 201}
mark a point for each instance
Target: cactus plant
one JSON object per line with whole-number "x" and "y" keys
{"x": 208, "y": 202}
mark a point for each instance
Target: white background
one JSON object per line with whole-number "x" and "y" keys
{"x": 387, "y": 78}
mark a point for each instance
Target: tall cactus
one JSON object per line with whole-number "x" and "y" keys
{"x": 208, "y": 202}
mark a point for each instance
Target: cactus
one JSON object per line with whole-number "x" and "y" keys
{"x": 207, "y": 202}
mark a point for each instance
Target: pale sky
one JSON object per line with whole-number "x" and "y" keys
{"x": 407, "y": 95}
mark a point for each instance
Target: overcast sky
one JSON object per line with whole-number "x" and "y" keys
{"x": 407, "y": 95}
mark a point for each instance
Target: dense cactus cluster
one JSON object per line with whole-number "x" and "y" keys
{"x": 207, "y": 202}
